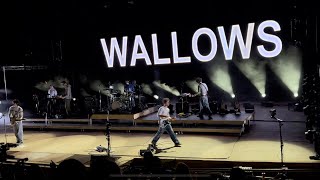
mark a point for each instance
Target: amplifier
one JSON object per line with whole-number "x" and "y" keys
{"x": 182, "y": 108}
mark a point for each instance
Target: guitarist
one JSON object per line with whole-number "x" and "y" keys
{"x": 16, "y": 117}
{"x": 67, "y": 97}
{"x": 203, "y": 100}
{"x": 164, "y": 124}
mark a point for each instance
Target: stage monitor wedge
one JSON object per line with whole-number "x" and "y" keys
{"x": 248, "y": 107}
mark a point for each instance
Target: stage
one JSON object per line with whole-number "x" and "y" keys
{"x": 260, "y": 147}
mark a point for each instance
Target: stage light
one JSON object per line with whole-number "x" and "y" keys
{"x": 296, "y": 94}
{"x": 255, "y": 72}
{"x": 156, "y": 97}
{"x": 74, "y": 99}
{"x": 119, "y": 87}
{"x": 233, "y": 95}
{"x": 288, "y": 68}
{"x": 219, "y": 75}
{"x": 44, "y": 86}
{"x": 167, "y": 88}
{"x": 263, "y": 95}
{"x": 147, "y": 89}
{"x": 99, "y": 87}
{"x": 84, "y": 93}
{"x": 193, "y": 85}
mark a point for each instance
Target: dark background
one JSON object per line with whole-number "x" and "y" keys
{"x": 35, "y": 27}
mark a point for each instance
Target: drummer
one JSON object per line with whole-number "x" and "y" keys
{"x": 129, "y": 91}
{"x": 128, "y": 88}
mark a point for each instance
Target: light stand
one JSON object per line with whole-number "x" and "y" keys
{"x": 280, "y": 122}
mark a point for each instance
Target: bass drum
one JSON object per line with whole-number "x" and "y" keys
{"x": 117, "y": 105}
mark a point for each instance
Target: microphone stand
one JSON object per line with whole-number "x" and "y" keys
{"x": 182, "y": 100}
{"x": 108, "y": 125}
{"x": 108, "y": 149}
{"x": 280, "y": 122}
{"x": 100, "y": 106}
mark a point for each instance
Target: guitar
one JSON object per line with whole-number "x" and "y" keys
{"x": 60, "y": 97}
{"x": 167, "y": 121}
{"x": 186, "y": 95}
{"x": 171, "y": 118}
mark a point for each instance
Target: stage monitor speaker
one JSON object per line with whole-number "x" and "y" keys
{"x": 214, "y": 107}
{"x": 248, "y": 108}
{"x": 185, "y": 109}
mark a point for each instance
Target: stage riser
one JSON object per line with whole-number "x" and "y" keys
{"x": 125, "y": 116}
{"x": 226, "y": 131}
{"x": 146, "y": 124}
{"x": 150, "y": 123}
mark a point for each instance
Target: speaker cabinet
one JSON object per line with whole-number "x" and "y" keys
{"x": 185, "y": 107}
{"x": 248, "y": 108}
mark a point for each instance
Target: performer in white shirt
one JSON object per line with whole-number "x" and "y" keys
{"x": 203, "y": 101}
{"x": 164, "y": 124}
{"x": 52, "y": 92}
{"x": 67, "y": 97}
{"x": 51, "y": 104}
{"x": 16, "y": 116}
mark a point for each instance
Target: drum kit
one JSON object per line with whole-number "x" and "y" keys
{"x": 119, "y": 102}
{"x": 106, "y": 100}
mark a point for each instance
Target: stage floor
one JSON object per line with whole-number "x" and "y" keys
{"x": 261, "y": 144}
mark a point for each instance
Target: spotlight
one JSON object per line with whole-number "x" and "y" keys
{"x": 167, "y": 88}
{"x": 288, "y": 67}
{"x": 156, "y": 96}
{"x": 233, "y": 96}
{"x": 255, "y": 71}
{"x": 296, "y": 94}
{"x": 74, "y": 99}
{"x": 263, "y": 95}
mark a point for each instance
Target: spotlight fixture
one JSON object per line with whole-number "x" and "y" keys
{"x": 233, "y": 96}
{"x": 156, "y": 96}
{"x": 296, "y": 94}
{"x": 263, "y": 95}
